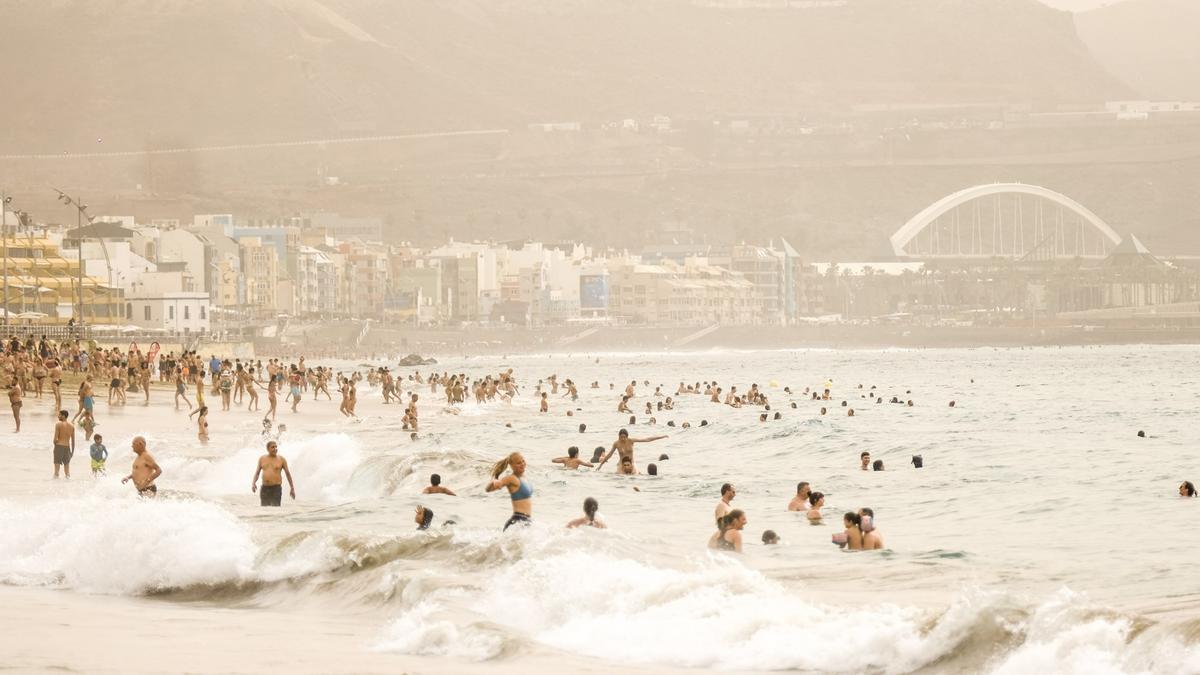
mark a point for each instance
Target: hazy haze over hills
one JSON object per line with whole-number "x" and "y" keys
{"x": 139, "y": 72}
{"x": 120, "y": 75}
{"x": 1150, "y": 44}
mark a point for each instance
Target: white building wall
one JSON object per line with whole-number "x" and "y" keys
{"x": 178, "y": 313}
{"x": 183, "y": 246}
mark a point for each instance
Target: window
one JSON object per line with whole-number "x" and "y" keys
{"x": 187, "y": 312}
{"x": 171, "y": 312}
{"x": 129, "y": 309}
{"x": 146, "y": 312}
{"x": 202, "y": 312}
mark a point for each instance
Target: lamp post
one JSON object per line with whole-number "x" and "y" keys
{"x": 80, "y": 214}
{"x": 5, "y": 204}
{"x": 5, "y": 200}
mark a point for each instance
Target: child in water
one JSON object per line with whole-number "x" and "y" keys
{"x": 99, "y": 455}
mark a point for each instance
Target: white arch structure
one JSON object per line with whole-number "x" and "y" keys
{"x": 931, "y": 213}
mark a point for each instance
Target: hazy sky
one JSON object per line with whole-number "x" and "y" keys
{"x": 1080, "y": 5}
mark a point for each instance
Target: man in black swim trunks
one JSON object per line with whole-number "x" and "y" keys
{"x": 145, "y": 470}
{"x": 273, "y": 467}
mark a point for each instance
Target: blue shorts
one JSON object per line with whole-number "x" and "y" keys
{"x": 88, "y": 402}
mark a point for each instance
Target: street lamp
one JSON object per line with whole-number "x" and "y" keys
{"x": 5, "y": 200}
{"x": 5, "y": 204}
{"x": 80, "y": 214}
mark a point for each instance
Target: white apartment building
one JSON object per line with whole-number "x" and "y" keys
{"x": 178, "y": 313}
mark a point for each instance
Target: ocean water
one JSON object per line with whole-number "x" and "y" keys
{"x": 1041, "y": 535}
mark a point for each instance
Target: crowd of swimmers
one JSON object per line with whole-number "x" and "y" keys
{"x": 31, "y": 364}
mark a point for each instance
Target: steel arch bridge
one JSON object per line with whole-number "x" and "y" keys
{"x": 1006, "y": 220}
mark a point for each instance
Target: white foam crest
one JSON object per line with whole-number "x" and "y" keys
{"x": 1067, "y": 635}
{"x": 420, "y": 631}
{"x": 127, "y": 546}
{"x": 321, "y": 466}
{"x": 716, "y": 614}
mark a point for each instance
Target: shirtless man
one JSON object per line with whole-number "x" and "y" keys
{"x": 623, "y": 406}
{"x": 270, "y": 466}
{"x": 624, "y": 446}
{"x": 435, "y": 487}
{"x": 145, "y": 470}
{"x": 626, "y": 468}
{"x": 723, "y": 507}
{"x": 800, "y": 501}
{"x": 872, "y": 539}
{"x": 64, "y": 444}
{"x": 571, "y": 461}
{"x": 410, "y": 415}
{"x": 86, "y": 402}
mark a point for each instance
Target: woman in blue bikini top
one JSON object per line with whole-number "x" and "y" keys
{"x": 520, "y": 491}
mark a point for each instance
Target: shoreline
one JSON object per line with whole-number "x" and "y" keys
{"x": 491, "y": 341}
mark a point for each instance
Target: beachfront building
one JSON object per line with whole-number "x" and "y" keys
{"x": 365, "y": 279}
{"x": 316, "y": 282}
{"x": 693, "y": 294}
{"x": 260, "y": 274}
{"x": 174, "y": 312}
{"x": 415, "y": 291}
{"x": 42, "y": 283}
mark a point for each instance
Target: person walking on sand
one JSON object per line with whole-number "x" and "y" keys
{"x": 271, "y": 466}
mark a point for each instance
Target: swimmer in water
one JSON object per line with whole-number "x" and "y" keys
{"x": 815, "y": 501}
{"x": 854, "y": 536}
{"x": 865, "y": 458}
{"x": 626, "y": 468}
{"x": 723, "y": 507}
{"x": 800, "y": 501}
{"x": 1186, "y": 489}
{"x": 729, "y": 537}
{"x": 624, "y": 445}
{"x": 589, "y": 519}
{"x": 423, "y": 517}
{"x": 872, "y": 539}
{"x": 769, "y": 537}
{"x": 520, "y": 491}
{"x": 435, "y": 487}
{"x": 572, "y": 461}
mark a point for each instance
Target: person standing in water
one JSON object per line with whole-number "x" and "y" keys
{"x": 572, "y": 461}
{"x": 14, "y": 399}
{"x": 273, "y": 468}
{"x": 145, "y": 470}
{"x": 520, "y": 491}
{"x": 723, "y": 507}
{"x": 800, "y": 501}
{"x": 624, "y": 446}
{"x": 729, "y": 534}
{"x": 589, "y": 519}
{"x": 64, "y": 444}
{"x": 435, "y": 487}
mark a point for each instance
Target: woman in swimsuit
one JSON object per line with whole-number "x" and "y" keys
{"x": 730, "y": 538}
{"x": 202, "y": 425}
{"x": 590, "y": 507}
{"x": 520, "y": 491}
{"x": 854, "y": 535}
